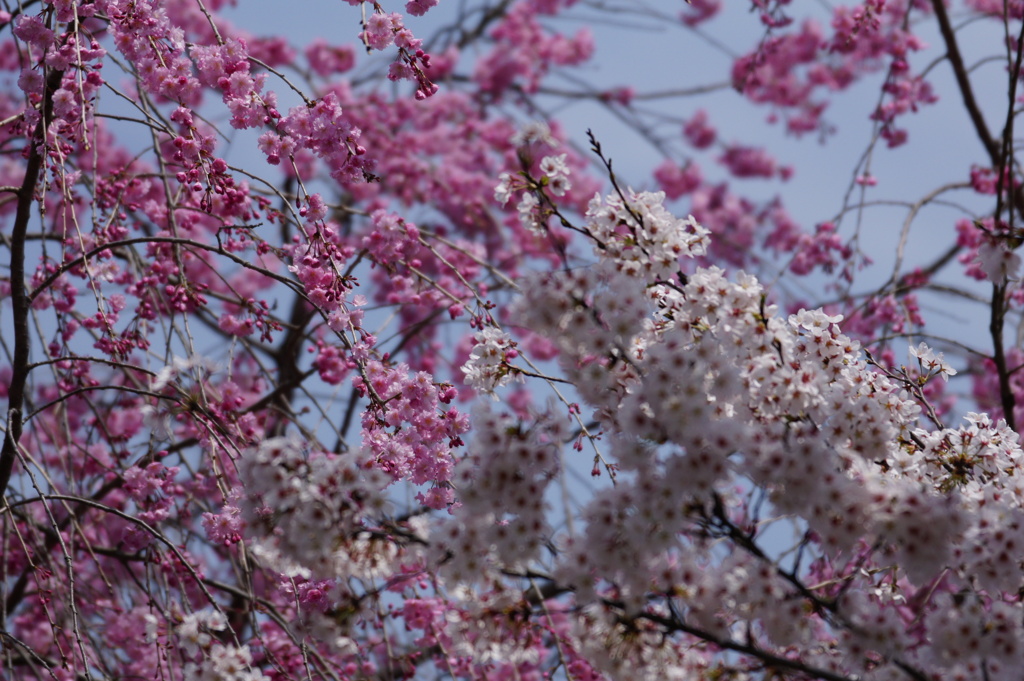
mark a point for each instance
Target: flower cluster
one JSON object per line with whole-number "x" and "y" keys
{"x": 553, "y": 177}
{"x": 322, "y": 129}
{"x": 523, "y": 52}
{"x": 382, "y": 30}
{"x": 501, "y": 523}
{"x": 405, "y": 431}
{"x": 676, "y": 180}
{"x": 307, "y": 511}
{"x": 638, "y": 236}
{"x": 488, "y": 367}
{"x": 217, "y": 661}
{"x": 932, "y": 363}
{"x": 226, "y": 67}
{"x": 555, "y": 174}
{"x": 708, "y": 374}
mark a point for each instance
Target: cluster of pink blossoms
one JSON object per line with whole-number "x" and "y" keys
{"x": 405, "y": 430}
{"x": 226, "y": 67}
{"x": 524, "y": 51}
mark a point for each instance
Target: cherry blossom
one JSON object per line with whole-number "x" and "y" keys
{"x": 352, "y": 354}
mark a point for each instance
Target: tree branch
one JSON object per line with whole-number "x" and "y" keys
{"x": 19, "y": 292}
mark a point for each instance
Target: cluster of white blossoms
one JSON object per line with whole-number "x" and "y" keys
{"x": 217, "y": 661}
{"x": 700, "y": 385}
{"x": 488, "y": 366}
{"x": 999, "y": 263}
{"x": 932, "y": 363}
{"x": 556, "y": 174}
{"x": 305, "y": 510}
{"x": 501, "y": 523}
{"x": 554, "y": 178}
{"x": 712, "y": 373}
{"x": 641, "y": 237}
{"x": 983, "y": 465}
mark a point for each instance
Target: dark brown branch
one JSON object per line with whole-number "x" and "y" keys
{"x": 1007, "y": 398}
{"x": 154, "y": 240}
{"x": 995, "y": 328}
{"x": 675, "y": 624}
{"x": 964, "y": 83}
{"x": 20, "y": 302}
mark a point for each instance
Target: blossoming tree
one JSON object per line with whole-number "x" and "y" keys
{"x": 317, "y": 409}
